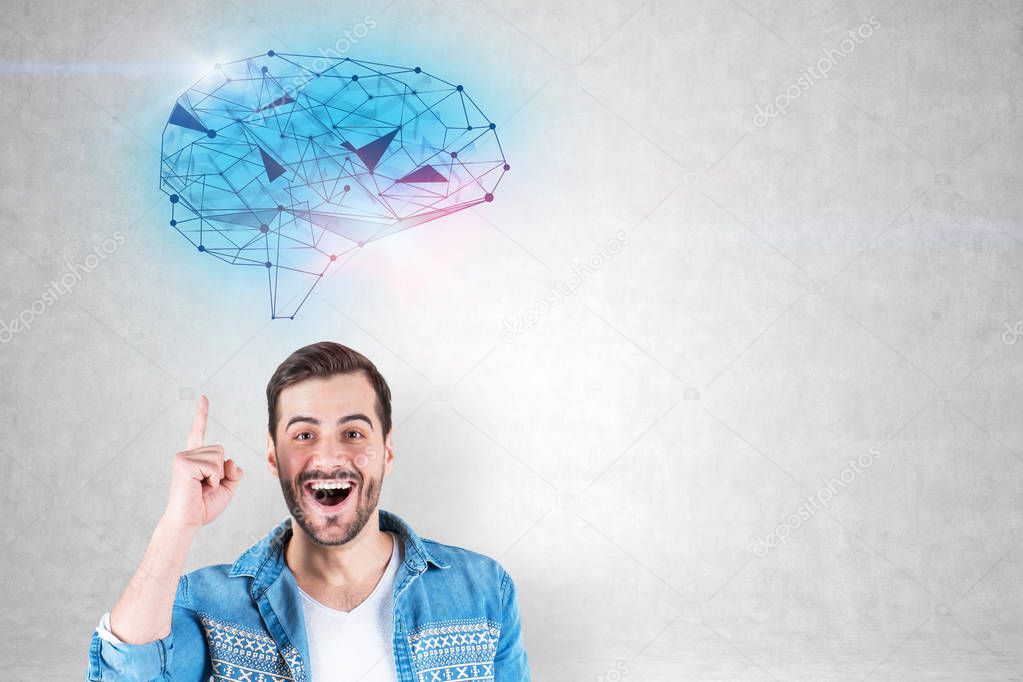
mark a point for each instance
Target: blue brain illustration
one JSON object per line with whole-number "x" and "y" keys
{"x": 273, "y": 164}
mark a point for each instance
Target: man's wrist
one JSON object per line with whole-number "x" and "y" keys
{"x": 170, "y": 528}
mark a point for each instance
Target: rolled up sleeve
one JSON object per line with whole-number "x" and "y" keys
{"x": 111, "y": 659}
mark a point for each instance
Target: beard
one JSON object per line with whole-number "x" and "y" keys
{"x": 323, "y": 527}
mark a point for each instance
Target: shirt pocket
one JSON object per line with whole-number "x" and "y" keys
{"x": 461, "y": 649}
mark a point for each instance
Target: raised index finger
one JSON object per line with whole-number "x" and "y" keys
{"x": 197, "y": 437}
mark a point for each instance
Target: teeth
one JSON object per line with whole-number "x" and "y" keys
{"x": 330, "y": 485}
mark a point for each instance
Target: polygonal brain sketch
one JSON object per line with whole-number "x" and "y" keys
{"x": 272, "y": 164}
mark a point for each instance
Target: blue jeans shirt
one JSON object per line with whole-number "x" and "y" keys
{"x": 455, "y": 618}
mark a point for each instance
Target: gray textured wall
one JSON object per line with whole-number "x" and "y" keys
{"x": 774, "y": 436}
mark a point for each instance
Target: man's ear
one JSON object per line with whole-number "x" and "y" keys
{"x": 388, "y": 452}
{"x": 271, "y": 455}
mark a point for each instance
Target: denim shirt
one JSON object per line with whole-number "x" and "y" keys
{"x": 455, "y": 618}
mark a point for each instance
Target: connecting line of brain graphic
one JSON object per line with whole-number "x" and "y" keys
{"x": 273, "y": 164}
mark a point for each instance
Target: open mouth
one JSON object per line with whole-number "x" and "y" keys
{"x": 330, "y": 495}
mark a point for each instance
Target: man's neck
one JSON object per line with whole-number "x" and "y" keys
{"x": 340, "y": 576}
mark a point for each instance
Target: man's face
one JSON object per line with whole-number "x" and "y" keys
{"x": 331, "y": 456}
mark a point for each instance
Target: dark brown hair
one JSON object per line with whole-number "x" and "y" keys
{"x": 320, "y": 361}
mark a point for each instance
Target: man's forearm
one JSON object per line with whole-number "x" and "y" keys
{"x": 143, "y": 612}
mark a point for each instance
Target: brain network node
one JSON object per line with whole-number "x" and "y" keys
{"x": 273, "y": 164}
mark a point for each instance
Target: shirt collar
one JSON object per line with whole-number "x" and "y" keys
{"x": 267, "y": 557}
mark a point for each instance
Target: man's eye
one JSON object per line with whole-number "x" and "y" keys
{"x": 304, "y": 433}
{"x": 357, "y": 433}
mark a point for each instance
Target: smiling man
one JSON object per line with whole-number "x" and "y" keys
{"x": 340, "y": 590}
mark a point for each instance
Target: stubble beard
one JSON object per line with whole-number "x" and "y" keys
{"x": 334, "y": 532}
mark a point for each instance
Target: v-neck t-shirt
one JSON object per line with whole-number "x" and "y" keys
{"x": 345, "y": 646}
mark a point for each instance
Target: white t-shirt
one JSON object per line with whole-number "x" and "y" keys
{"x": 345, "y": 646}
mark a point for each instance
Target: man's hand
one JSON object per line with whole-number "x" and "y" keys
{"x": 202, "y": 482}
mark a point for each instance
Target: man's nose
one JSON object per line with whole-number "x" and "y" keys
{"x": 337, "y": 452}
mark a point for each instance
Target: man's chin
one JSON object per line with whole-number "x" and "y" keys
{"x": 327, "y": 524}
{"x": 332, "y": 528}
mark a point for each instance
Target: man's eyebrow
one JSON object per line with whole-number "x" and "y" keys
{"x": 342, "y": 420}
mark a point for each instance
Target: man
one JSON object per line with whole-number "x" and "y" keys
{"x": 340, "y": 590}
